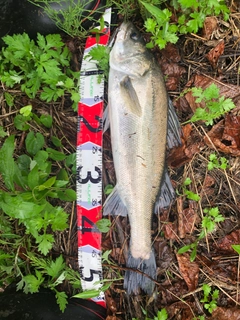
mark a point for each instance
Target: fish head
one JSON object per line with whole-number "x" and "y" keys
{"x": 129, "y": 53}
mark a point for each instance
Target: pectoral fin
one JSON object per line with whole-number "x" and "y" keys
{"x": 130, "y": 96}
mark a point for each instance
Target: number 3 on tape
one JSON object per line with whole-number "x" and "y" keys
{"x": 89, "y": 168}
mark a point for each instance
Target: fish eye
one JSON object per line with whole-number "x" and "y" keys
{"x": 134, "y": 36}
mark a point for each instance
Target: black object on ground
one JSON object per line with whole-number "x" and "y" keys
{"x": 43, "y": 306}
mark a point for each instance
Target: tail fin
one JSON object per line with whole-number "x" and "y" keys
{"x": 134, "y": 280}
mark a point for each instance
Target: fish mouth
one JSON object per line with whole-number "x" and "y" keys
{"x": 123, "y": 31}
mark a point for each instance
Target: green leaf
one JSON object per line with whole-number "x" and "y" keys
{"x": 108, "y": 189}
{"x": 7, "y": 165}
{"x": 26, "y": 111}
{"x": 46, "y": 120}
{"x": 206, "y": 290}
{"x": 71, "y": 160}
{"x": 55, "y": 155}
{"x": 87, "y": 294}
{"x": 61, "y": 300}
{"x": 184, "y": 249}
{"x": 20, "y": 122}
{"x": 32, "y": 283}
{"x": 188, "y": 3}
{"x": 47, "y": 184}
{"x": 34, "y": 142}
{"x": 59, "y": 218}
{"x": 2, "y": 132}
{"x": 67, "y": 195}
{"x": 191, "y": 195}
{"x": 236, "y": 247}
{"x": 45, "y": 243}
{"x": 57, "y": 142}
{"x": 103, "y": 225}
{"x": 162, "y": 314}
{"x": 56, "y": 267}
{"x": 33, "y": 178}
{"x": 9, "y": 99}
{"x": 187, "y": 182}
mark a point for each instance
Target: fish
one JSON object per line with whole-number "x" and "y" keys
{"x": 143, "y": 123}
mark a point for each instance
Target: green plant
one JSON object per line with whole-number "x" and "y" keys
{"x": 214, "y": 162}
{"x": 49, "y": 274}
{"x": 30, "y": 183}
{"x": 208, "y": 225}
{"x": 210, "y": 220}
{"x": 161, "y": 315}
{"x": 210, "y": 298}
{"x": 189, "y": 194}
{"x": 187, "y": 17}
{"x": 215, "y": 105}
{"x": 100, "y": 55}
{"x": 103, "y": 225}
{"x": 199, "y": 318}
{"x": 126, "y": 8}
{"x": 42, "y": 68}
{"x": 69, "y": 17}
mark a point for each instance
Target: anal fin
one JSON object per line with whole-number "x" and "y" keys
{"x": 114, "y": 204}
{"x": 166, "y": 193}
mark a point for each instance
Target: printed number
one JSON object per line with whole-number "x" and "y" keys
{"x": 89, "y": 126}
{"x": 96, "y": 149}
{"x": 89, "y": 176}
{"x": 92, "y": 272}
{"x": 91, "y": 228}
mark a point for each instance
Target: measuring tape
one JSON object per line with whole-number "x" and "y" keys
{"x": 89, "y": 167}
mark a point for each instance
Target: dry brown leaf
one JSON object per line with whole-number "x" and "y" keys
{"x": 187, "y": 218}
{"x": 164, "y": 254}
{"x": 210, "y": 25}
{"x": 189, "y": 271}
{"x": 179, "y": 308}
{"x": 225, "y": 314}
{"x": 214, "y": 54}
{"x": 169, "y": 64}
{"x": 225, "y": 135}
{"x": 183, "y": 154}
{"x": 225, "y": 244}
{"x": 170, "y": 230}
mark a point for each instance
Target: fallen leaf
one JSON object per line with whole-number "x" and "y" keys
{"x": 225, "y": 244}
{"x": 210, "y": 25}
{"x": 170, "y": 230}
{"x": 187, "y": 218}
{"x": 189, "y": 270}
{"x": 225, "y": 314}
{"x": 191, "y": 144}
{"x": 164, "y": 254}
{"x": 208, "y": 187}
{"x": 111, "y": 304}
{"x": 179, "y": 308}
{"x": 170, "y": 67}
{"x": 214, "y": 54}
{"x": 225, "y": 135}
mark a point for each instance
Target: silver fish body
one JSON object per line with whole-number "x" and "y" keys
{"x": 138, "y": 114}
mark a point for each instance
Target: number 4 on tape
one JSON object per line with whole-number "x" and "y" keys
{"x": 89, "y": 168}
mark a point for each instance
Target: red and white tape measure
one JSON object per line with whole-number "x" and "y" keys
{"x": 89, "y": 167}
